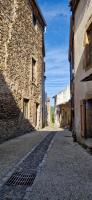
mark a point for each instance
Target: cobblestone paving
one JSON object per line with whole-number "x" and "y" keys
{"x": 25, "y": 173}
{"x": 66, "y": 173}
{"x": 11, "y": 152}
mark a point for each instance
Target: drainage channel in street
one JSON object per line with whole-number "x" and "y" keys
{"x": 24, "y": 175}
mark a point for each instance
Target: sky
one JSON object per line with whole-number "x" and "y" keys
{"x": 57, "y": 16}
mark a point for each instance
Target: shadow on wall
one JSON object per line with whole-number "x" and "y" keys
{"x": 12, "y": 120}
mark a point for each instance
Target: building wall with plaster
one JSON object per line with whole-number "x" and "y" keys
{"x": 62, "y": 108}
{"x": 82, "y": 90}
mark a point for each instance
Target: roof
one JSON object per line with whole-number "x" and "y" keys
{"x": 39, "y": 11}
{"x": 71, "y": 39}
{"x": 73, "y": 4}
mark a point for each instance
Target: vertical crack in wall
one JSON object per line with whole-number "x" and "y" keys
{"x": 13, "y": 18}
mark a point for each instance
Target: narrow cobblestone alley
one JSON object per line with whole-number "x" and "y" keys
{"x": 46, "y": 100}
{"x": 64, "y": 173}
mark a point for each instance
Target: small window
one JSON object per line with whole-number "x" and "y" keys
{"x": 34, "y": 21}
{"x": 89, "y": 56}
{"x": 33, "y": 70}
{"x": 25, "y": 107}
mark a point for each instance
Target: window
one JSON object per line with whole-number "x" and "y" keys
{"x": 34, "y": 21}
{"x": 33, "y": 70}
{"x": 88, "y": 48}
{"x": 25, "y": 107}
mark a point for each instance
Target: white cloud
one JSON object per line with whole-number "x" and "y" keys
{"x": 59, "y": 72}
{"x": 56, "y": 56}
{"x": 57, "y": 66}
{"x": 56, "y": 11}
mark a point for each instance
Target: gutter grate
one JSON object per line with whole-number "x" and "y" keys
{"x": 26, "y": 172}
{"x": 19, "y": 178}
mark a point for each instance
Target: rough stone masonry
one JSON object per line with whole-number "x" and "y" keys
{"x": 21, "y": 67}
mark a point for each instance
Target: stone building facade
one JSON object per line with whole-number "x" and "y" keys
{"x": 62, "y": 108}
{"x": 80, "y": 57}
{"x": 21, "y": 67}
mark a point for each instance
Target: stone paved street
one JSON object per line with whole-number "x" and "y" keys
{"x": 64, "y": 174}
{"x": 11, "y": 152}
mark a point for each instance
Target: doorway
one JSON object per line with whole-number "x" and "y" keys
{"x": 89, "y": 118}
{"x": 83, "y": 118}
{"x": 86, "y": 118}
{"x": 26, "y": 108}
{"x": 37, "y": 115}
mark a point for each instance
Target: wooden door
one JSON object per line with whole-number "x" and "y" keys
{"x": 83, "y": 118}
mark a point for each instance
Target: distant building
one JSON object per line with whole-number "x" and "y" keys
{"x": 43, "y": 102}
{"x": 47, "y": 111}
{"x": 62, "y": 108}
{"x": 80, "y": 57}
{"x": 21, "y": 67}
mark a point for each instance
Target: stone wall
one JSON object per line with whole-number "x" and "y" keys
{"x": 20, "y": 42}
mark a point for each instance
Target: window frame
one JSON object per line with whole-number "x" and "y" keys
{"x": 34, "y": 20}
{"x": 87, "y": 52}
